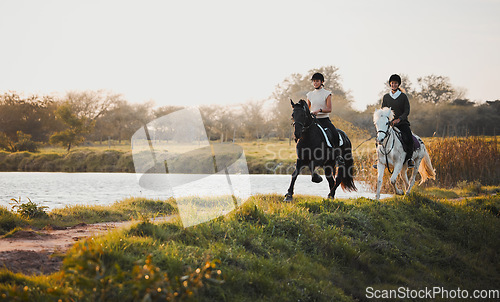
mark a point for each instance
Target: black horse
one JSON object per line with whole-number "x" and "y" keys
{"x": 312, "y": 152}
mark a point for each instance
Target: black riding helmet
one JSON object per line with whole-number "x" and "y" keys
{"x": 318, "y": 76}
{"x": 395, "y": 78}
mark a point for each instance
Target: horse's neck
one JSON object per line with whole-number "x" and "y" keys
{"x": 311, "y": 132}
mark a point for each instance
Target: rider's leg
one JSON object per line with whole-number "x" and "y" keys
{"x": 327, "y": 123}
{"x": 408, "y": 141}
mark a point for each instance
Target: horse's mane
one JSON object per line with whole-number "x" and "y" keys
{"x": 384, "y": 112}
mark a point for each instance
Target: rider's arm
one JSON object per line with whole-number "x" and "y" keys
{"x": 328, "y": 108}
{"x": 406, "y": 110}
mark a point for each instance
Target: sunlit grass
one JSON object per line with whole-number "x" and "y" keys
{"x": 127, "y": 209}
{"x": 312, "y": 249}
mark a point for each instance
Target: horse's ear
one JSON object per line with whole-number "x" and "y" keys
{"x": 291, "y": 102}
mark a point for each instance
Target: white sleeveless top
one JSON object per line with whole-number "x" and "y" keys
{"x": 317, "y": 97}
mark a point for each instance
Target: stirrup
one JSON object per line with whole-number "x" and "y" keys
{"x": 411, "y": 164}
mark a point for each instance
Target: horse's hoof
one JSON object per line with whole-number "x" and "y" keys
{"x": 316, "y": 178}
{"x": 288, "y": 197}
{"x": 330, "y": 197}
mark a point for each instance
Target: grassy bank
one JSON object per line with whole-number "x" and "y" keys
{"x": 309, "y": 250}
{"x": 127, "y": 209}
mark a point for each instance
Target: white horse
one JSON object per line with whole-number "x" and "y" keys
{"x": 391, "y": 154}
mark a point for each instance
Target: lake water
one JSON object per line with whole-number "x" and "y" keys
{"x": 57, "y": 190}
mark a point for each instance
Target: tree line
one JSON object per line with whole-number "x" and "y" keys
{"x": 437, "y": 109}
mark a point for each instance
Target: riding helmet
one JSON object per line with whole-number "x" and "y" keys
{"x": 395, "y": 78}
{"x": 318, "y": 76}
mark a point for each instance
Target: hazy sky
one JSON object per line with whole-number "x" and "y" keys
{"x": 227, "y": 52}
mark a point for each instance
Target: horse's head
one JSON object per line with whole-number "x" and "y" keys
{"x": 382, "y": 119}
{"x": 301, "y": 117}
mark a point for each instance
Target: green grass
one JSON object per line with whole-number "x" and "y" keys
{"x": 312, "y": 249}
{"x": 127, "y": 209}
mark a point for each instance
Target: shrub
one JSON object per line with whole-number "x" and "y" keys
{"x": 28, "y": 209}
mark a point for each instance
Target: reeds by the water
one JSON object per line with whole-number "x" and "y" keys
{"x": 469, "y": 159}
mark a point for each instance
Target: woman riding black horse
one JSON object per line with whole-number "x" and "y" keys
{"x": 313, "y": 151}
{"x": 320, "y": 103}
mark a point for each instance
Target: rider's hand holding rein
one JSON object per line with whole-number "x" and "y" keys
{"x": 395, "y": 122}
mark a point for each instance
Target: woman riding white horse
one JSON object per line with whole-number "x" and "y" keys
{"x": 391, "y": 154}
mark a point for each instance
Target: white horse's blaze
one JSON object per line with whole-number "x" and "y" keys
{"x": 390, "y": 151}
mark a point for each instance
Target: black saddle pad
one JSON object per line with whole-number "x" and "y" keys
{"x": 416, "y": 143}
{"x": 329, "y": 134}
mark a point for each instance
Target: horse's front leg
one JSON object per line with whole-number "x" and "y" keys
{"x": 380, "y": 178}
{"x": 404, "y": 176}
{"x": 394, "y": 177}
{"x": 315, "y": 177}
{"x": 296, "y": 172}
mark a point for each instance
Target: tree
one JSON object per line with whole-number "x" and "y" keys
{"x": 122, "y": 120}
{"x": 91, "y": 104}
{"x": 220, "y": 122}
{"x": 253, "y": 121}
{"x": 23, "y": 143}
{"x": 77, "y": 127}
{"x": 436, "y": 89}
{"x": 105, "y": 114}
{"x": 164, "y": 110}
{"x": 5, "y": 142}
{"x": 208, "y": 116}
{"x": 33, "y": 115}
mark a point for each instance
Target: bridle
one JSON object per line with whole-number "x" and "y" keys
{"x": 386, "y": 132}
{"x": 304, "y": 126}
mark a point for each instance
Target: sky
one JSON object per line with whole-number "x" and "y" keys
{"x": 229, "y": 52}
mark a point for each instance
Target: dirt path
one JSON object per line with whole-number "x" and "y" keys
{"x": 41, "y": 251}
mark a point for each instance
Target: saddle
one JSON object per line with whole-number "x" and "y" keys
{"x": 416, "y": 141}
{"x": 328, "y": 136}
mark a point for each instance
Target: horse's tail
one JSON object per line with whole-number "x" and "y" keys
{"x": 425, "y": 169}
{"x": 347, "y": 171}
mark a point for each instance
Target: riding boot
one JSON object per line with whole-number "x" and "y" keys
{"x": 407, "y": 144}
{"x": 411, "y": 164}
{"x": 409, "y": 155}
